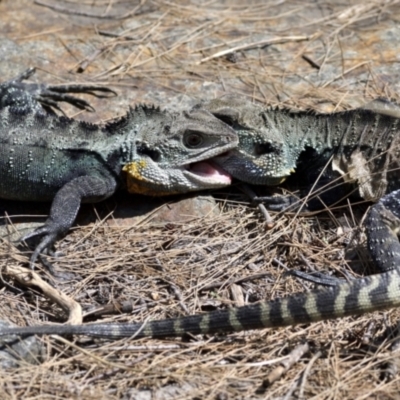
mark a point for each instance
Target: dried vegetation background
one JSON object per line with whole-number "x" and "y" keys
{"x": 325, "y": 55}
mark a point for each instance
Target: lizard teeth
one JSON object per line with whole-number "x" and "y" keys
{"x": 210, "y": 171}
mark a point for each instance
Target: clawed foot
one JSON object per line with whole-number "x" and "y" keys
{"x": 280, "y": 203}
{"x": 45, "y": 248}
{"x": 17, "y": 92}
{"x": 318, "y": 278}
{"x": 50, "y": 95}
{"x": 274, "y": 203}
{"x": 50, "y": 235}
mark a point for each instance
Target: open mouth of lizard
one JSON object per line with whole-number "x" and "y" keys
{"x": 210, "y": 172}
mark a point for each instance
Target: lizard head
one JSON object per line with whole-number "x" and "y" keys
{"x": 263, "y": 156}
{"x": 173, "y": 152}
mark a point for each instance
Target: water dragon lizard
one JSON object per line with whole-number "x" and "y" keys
{"x": 361, "y": 146}
{"x": 47, "y": 157}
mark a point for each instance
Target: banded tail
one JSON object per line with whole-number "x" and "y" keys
{"x": 372, "y": 293}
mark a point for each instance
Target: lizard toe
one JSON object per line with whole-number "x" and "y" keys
{"x": 46, "y": 243}
{"x": 278, "y": 203}
{"x": 49, "y": 236}
{"x": 43, "y": 230}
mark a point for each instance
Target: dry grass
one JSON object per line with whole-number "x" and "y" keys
{"x": 164, "y": 272}
{"x": 166, "y": 52}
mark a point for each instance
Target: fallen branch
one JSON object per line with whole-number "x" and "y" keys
{"x": 27, "y": 277}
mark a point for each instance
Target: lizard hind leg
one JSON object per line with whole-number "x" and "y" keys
{"x": 383, "y": 228}
{"x": 383, "y": 231}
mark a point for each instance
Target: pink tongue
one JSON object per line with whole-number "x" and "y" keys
{"x": 210, "y": 171}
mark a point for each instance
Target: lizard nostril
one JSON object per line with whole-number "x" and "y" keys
{"x": 153, "y": 154}
{"x": 225, "y": 154}
{"x": 265, "y": 148}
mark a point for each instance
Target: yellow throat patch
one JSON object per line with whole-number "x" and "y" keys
{"x": 136, "y": 182}
{"x": 134, "y": 176}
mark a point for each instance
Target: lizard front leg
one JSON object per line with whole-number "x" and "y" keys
{"x": 65, "y": 207}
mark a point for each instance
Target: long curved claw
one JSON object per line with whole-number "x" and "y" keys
{"x": 50, "y": 95}
{"x": 83, "y": 88}
{"x": 42, "y": 230}
{"x": 50, "y": 90}
{"x": 52, "y": 100}
{"x": 279, "y": 203}
{"x": 50, "y": 236}
{"x": 319, "y": 278}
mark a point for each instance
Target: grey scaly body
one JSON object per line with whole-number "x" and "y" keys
{"x": 46, "y": 157}
{"x": 361, "y": 146}
{"x": 356, "y": 151}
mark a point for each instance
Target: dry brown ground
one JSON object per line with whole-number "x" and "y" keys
{"x": 325, "y": 55}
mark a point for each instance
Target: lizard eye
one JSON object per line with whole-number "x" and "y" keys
{"x": 192, "y": 139}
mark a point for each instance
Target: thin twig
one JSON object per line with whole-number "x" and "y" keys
{"x": 306, "y": 373}
{"x": 84, "y": 14}
{"x": 260, "y": 43}
{"x": 286, "y": 364}
{"x": 235, "y": 281}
